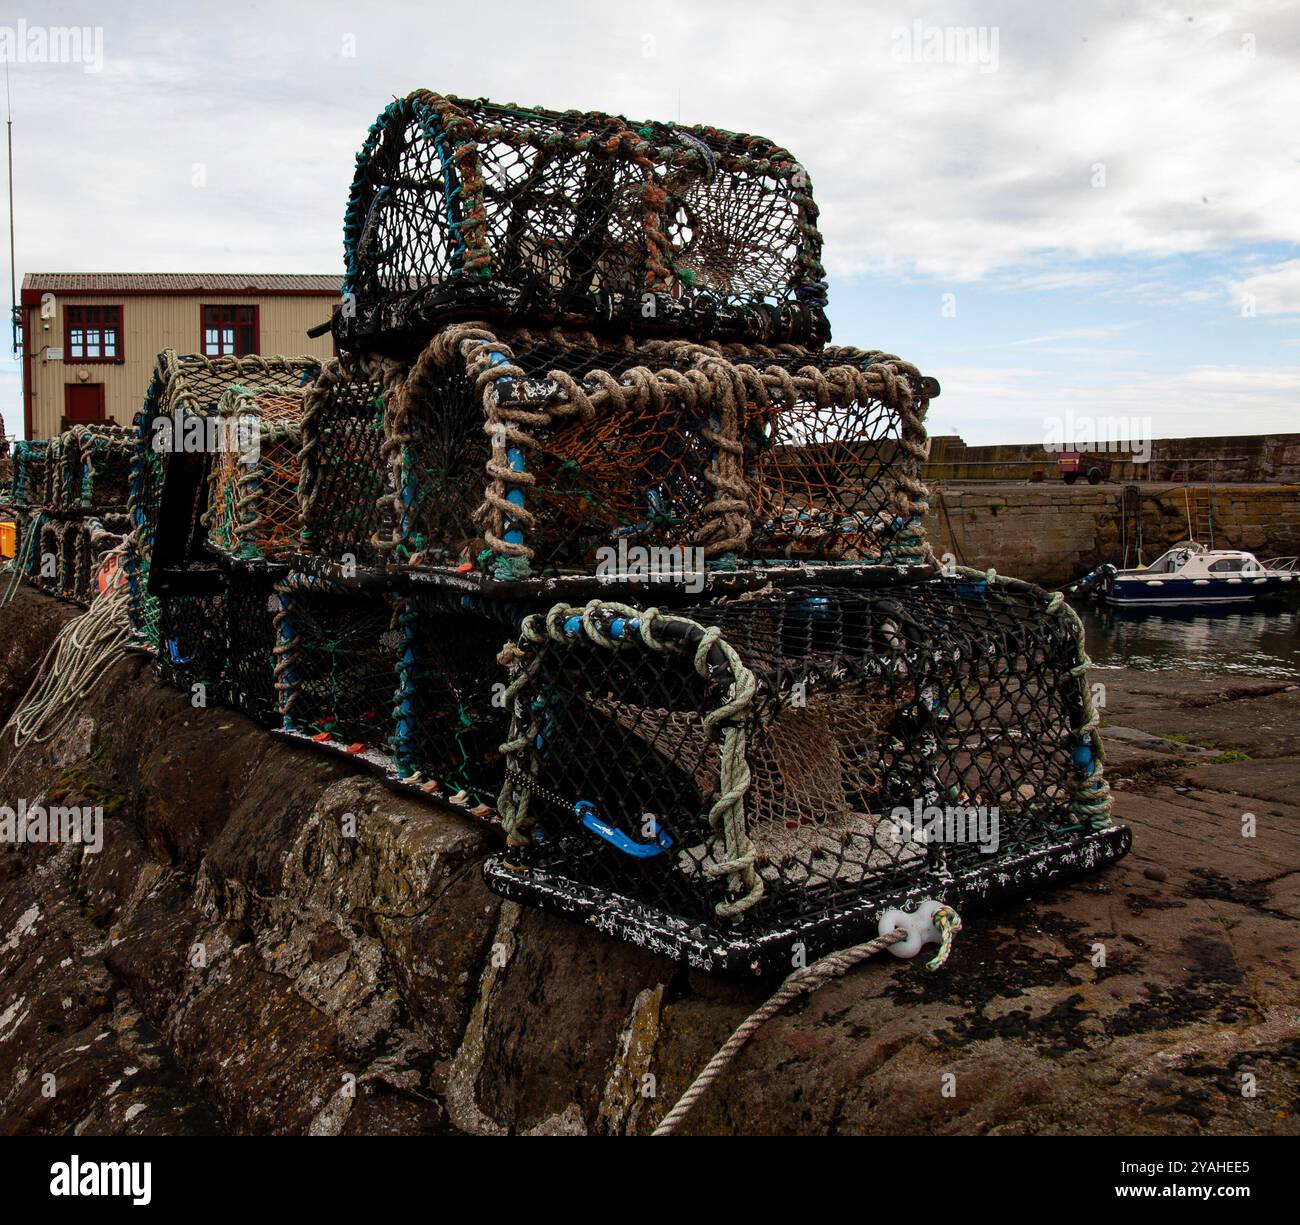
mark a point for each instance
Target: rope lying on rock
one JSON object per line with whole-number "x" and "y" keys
{"x": 801, "y": 982}
{"x": 75, "y": 663}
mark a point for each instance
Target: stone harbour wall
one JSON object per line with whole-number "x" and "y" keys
{"x": 1054, "y": 533}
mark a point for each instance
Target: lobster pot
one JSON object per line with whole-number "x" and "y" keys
{"x": 539, "y": 454}
{"x": 467, "y": 209}
{"x": 252, "y": 510}
{"x": 337, "y": 652}
{"x": 176, "y": 434}
{"x": 192, "y": 642}
{"x": 99, "y": 466}
{"x": 451, "y": 716}
{"x": 45, "y": 565}
{"x": 739, "y": 783}
{"x": 343, "y": 467}
{"x": 97, "y": 538}
{"x": 28, "y": 481}
{"x": 247, "y": 682}
{"x": 70, "y": 530}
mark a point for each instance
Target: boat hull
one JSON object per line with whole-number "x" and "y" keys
{"x": 1192, "y": 591}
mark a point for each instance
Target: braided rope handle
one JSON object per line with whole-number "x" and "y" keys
{"x": 727, "y": 814}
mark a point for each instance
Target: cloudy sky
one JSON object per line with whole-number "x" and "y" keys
{"x": 1084, "y": 209}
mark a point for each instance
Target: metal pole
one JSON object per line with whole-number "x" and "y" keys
{"x": 13, "y": 265}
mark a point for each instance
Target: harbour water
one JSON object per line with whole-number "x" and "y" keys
{"x": 1257, "y": 642}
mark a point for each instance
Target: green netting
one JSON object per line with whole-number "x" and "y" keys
{"x": 28, "y": 480}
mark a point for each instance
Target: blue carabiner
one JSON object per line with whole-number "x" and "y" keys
{"x": 585, "y": 811}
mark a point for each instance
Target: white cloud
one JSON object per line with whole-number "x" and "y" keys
{"x": 1274, "y": 292}
{"x": 1077, "y": 333}
{"x": 942, "y": 170}
{"x": 926, "y": 170}
{"x": 1002, "y": 404}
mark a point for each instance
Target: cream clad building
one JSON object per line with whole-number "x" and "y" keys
{"x": 90, "y": 340}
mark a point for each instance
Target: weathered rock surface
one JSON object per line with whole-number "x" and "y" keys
{"x": 269, "y": 943}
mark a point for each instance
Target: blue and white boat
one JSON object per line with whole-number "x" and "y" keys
{"x": 1190, "y": 574}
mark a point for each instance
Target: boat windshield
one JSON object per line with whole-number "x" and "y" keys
{"x": 1174, "y": 560}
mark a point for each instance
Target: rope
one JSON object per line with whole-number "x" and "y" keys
{"x": 75, "y": 663}
{"x": 1092, "y": 797}
{"x": 801, "y": 982}
{"x": 22, "y": 557}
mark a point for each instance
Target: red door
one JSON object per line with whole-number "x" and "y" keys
{"x": 83, "y": 402}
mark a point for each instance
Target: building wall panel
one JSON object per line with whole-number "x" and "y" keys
{"x": 151, "y": 323}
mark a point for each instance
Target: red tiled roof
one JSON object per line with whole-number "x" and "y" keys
{"x": 183, "y": 282}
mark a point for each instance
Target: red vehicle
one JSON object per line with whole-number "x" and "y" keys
{"x": 1071, "y": 464}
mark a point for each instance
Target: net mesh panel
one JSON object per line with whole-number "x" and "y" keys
{"x": 942, "y": 694}
{"x": 82, "y": 567}
{"x": 470, "y": 209}
{"x": 192, "y": 641}
{"x": 338, "y": 664}
{"x": 97, "y": 538}
{"x": 530, "y": 452}
{"x": 185, "y": 386}
{"x": 248, "y": 676}
{"x": 55, "y": 476}
{"x": 100, "y": 466}
{"x": 62, "y": 473}
{"x": 253, "y": 506}
{"x": 452, "y": 688}
{"x": 69, "y": 532}
{"x": 28, "y": 486}
{"x": 226, "y": 641}
{"x": 143, "y": 508}
{"x": 342, "y": 465}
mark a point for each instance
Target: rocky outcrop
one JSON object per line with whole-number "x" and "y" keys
{"x": 271, "y": 943}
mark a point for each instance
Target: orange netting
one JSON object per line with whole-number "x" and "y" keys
{"x": 253, "y": 500}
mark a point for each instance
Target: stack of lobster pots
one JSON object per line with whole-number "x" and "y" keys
{"x": 68, "y": 499}
{"x": 591, "y": 533}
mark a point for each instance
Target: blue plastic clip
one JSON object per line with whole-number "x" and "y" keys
{"x": 585, "y": 810}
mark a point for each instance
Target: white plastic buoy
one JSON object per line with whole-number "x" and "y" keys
{"x": 920, "y": 927}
